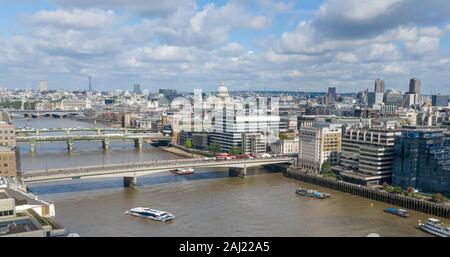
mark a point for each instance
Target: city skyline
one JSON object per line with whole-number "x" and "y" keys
{"x": 251, "y": 45}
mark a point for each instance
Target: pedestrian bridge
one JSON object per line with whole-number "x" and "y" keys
{"x": 130, "y": 172}
{"x": 46, "y": 113}
{"x": 138, "y": 138}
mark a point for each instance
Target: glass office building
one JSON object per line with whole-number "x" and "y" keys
{"x": 422, "y": 160}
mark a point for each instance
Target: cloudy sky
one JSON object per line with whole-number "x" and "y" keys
{"x": 249, "y": 44}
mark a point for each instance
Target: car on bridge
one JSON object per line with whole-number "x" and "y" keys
{"x": 223, "y": 156}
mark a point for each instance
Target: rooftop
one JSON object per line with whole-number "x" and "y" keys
{"x": 17, "y": 226}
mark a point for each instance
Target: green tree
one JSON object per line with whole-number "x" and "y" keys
{"x": 439, "y": 198}
{"x": 282, "y": 136}
{"x": 326, "y": 167}
{"x": 398, "y": 190}
{"x": 235, "y": 150}
{"x": 188, "y": 143}
{"x": 215, "y": 147}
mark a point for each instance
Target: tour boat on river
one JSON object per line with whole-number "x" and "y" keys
{"x": 435, "y": 227}
{"x": 148, "y": 213}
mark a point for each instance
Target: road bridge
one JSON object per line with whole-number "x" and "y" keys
{"x": 130, "y": 172}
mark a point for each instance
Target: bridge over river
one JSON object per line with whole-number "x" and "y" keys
{"x": 104, "y": 135}
{"x": 130, "y": 172}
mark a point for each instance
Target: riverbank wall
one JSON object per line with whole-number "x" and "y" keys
{"x": 179, "y": 152}
{"x": 373, "y": 194}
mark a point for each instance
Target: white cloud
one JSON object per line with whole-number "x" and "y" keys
{"x": 76, "y": 19}
{"x": 393, "y": 69}
{"x": 346, "y": 57}
{"x": 142, "y": 7}
{"x": 181, "y": 45}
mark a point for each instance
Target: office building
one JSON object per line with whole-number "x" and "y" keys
{"x": 319, "y": 143}
{"x": 330, "y": 98}
{"x": 415, "y": 86}
{"x": 394, "y": 98}
{"x": 43, "y": 87}
{"x": 7, "y": 134}
{"x": 137, "y": 89}
{"x": 439, "y": 100}
{"x": 253, "y": 143}
{"x": 367, "y": 154}
{"x": 286, "y": 146}
{"x": 233, "y": 121}
{"x": 15, "y": 217}
{"x": 379, "y": 86}
{"x": 8, "y": 161}
{"x": 422, "y": 160}
{"x": 388, "y": 110}
{"x": 375, "y": 98}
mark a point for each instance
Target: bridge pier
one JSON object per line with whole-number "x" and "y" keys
{"x": 138, "y": 142}
{"x": 70, "y": 145}
{"x": 130, "y": 182}
{"x": 106, "y": 143}
{"x": 238, "y": 172}
{"x": 33, "y": 146}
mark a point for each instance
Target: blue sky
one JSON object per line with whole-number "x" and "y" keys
{"x": 250, "y": 44}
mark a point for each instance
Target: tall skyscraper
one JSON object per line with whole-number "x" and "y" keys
{"x": 90, "y": 84}
{"x": 331, "y": 95}
{"x": 137, "y": 89}
{"x": 379, "y": 86}
{"x": 415, "y": 86}
{"x": 43, "y": 87}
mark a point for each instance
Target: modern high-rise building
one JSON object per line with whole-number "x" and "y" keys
{"x": 415, "y": 86}
{"x": 379, "y": 86}
{"x": 137, "y": 89}
{"x": 439, "y": 100}
{"x": 319, "y": 143}
{"x": 90, "y": 84}
{"x": 43, "y": 87}
{"x": 331, "y": 95}
{"x": 367, "y": 154}
{"x": 375, "y": 98}
{"x": 422, "y": 160}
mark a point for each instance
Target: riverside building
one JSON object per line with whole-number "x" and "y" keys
{"x": 422, "y": 160}
{"x": 367, "y": 154}
{"x": 319, "y": 143}
{"x": 239, "y": 125}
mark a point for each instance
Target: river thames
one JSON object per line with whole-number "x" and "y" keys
{"x": 208, "y": 203}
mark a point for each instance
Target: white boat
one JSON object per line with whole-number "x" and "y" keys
{"x": 435, "y": 227}
{"x": 148, "y": 213}
{"x": 183, "y": 171}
